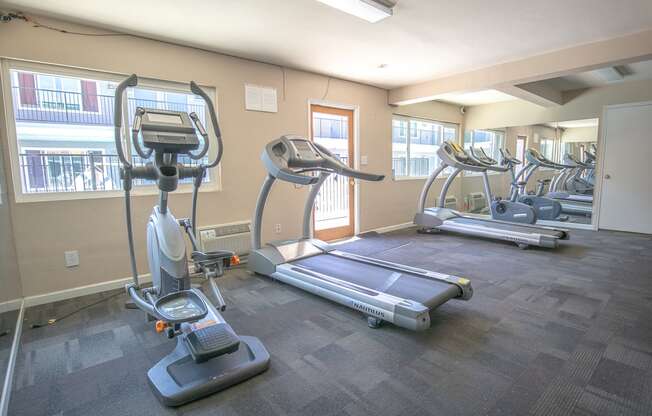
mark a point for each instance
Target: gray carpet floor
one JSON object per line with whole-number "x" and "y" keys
{"x": 564, "y": 332}
{"x": 7, "y": 327}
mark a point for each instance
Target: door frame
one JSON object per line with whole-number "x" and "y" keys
{"x": 356, "y": 152}
{"x": 602, "y": 147}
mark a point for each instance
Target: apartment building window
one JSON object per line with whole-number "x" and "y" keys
{"x": 491, "y": 141}
{"x": 415, "y": 143}
{"x": 62, "y": 138}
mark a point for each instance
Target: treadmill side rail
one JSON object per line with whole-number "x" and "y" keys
{"x": 401, "y": 312}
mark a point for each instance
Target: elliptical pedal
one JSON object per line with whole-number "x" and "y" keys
{"x": 212, "y": 341}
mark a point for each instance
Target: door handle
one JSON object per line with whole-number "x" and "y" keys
{"x": 607, "y": 176}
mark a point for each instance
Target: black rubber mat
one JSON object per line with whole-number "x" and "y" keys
{"x": 428, "y": 292}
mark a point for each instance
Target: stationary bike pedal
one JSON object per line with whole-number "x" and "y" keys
{"x": 212, "y": 341}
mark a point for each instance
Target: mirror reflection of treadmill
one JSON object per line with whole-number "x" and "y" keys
{"x": 439, "y": 218}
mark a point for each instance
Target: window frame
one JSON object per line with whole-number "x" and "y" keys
{"x": 406, "y": 118}
{"x": 7, "y": 65}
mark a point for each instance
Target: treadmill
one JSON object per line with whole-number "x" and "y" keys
{"x": 382, "y": 290}
{"x": 570, "y": 204}
{"x": 440, "y": 218}
{"x": 570, "y": 174}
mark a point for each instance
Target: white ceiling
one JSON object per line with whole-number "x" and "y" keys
{"x": 423, "y": 40}
{"x": 475, "y": 98}
{"x": 632, "y": 72}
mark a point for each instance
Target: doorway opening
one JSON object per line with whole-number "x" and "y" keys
{"x": 334, "y": 210}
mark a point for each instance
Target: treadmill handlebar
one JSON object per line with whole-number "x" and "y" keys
{"x": 534, "y": 156}
{"x": 293, "y": 158}
{"x": 483, "y": 159}
{"x": 507, "y": 158}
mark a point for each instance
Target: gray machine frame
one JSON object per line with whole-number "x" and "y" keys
{"x": 209, "y": 356}
{"x": 569, "y": 204}
{"x": 440, "y": 218}
{"x": 278, "y": 259}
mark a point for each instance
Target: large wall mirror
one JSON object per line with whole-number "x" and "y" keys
{"x": 551, "y": 161}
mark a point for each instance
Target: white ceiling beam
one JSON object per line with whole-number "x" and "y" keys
{"x": 538, "y": 93}
{"x": 613, "y": 52}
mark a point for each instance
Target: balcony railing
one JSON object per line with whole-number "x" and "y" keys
{"x": 63, "y": 107}
{"x": 333, "y": 199}
{"x": 59, "y": 172}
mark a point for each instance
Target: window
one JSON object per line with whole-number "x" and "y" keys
{"x": 521, "y": 141}
{"x": 547, "y": 148}
{"x": 62, "y": 134}
{"x": 417, "y": 157}
{"x": 491, "y": 141}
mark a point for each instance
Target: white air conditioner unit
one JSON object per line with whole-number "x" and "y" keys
{"x": 451, "y": 202}
{"x": 476, "y": 201}
{"x": 234, "y": 237}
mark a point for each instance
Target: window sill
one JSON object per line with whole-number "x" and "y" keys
{"x": 77, "y": 196}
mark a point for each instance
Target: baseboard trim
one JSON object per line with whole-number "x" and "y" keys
{"x": 10, "y": 305}
{"x": 81, "y": 291}
{"x": 11, "y": 363}
{"x": 394, "y": 227}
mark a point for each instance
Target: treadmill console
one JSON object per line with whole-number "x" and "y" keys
{"x": 301, "y": 152}
{"x": 294, "y": 159}
{"x": 166, "y": 131}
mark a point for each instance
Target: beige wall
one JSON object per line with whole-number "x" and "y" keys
{"x": 580, "y": 134}
{"x": 95, "y": 227}
{"x": 579, "y": 105}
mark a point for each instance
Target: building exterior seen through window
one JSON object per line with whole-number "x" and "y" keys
{"x": 415, "y": 143}
{"x": 64, "y": 129}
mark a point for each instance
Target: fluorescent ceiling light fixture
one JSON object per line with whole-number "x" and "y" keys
{"x": 369, "y": 10}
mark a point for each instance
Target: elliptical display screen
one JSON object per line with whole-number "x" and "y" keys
{"x": 164, "y": 118}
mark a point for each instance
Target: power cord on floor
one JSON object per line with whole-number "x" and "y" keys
{"x": 69, "y": 314}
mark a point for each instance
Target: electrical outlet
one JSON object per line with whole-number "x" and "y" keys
{"x": 207, "y": 234}
{"x": 277, "y": 228}
{"x": 72, "y": 258}
{"x": 364, "y": 160}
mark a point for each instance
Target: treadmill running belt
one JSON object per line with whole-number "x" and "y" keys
{"x": 508, "y": 227}
{"x": 430, "y": 293}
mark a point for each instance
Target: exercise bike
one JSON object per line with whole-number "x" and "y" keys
{"x": 501, "y": 209}
{"x": 209, "y": 355}
{"x": 544, "y": 207}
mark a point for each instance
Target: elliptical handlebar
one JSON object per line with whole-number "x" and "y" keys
{"x": 132, "y": 81}
{"x": 196, "y": 89}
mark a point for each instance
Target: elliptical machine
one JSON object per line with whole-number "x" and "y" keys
{"x": 209, "y": 356}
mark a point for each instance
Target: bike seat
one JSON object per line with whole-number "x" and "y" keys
{"x": 544, "y": 181}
